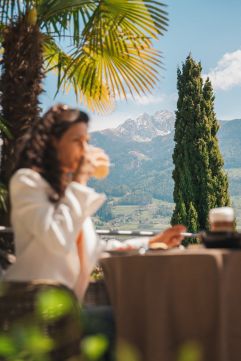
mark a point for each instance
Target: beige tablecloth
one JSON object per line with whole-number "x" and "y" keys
{"x": 164, "y": 301}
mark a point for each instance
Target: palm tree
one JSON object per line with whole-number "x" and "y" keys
{"x": 106, "y": 53}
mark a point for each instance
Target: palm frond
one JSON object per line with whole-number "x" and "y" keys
{"x": 118, "y": 36}
{"x": 85, "y": 79}
{"x": 117, "y": 50}
{"x": 112, "y": 45}
{"x": 65, "y": 17}
{"x": 10, "y": 9}
{"x": 13, "y": 10}
{"x": 48, "y": 9}
{"x": 142, "y": 18}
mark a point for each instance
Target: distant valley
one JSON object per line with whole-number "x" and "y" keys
{"x": 140, "y": 185}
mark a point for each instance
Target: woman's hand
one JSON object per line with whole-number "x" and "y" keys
{"x": 171, "y": 237}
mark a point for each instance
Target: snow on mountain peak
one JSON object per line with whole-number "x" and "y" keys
{"x": 145, "y": 127}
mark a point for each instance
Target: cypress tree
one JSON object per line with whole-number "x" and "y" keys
{"x": 218, "y": 175}
{"x": 199, "y": 178}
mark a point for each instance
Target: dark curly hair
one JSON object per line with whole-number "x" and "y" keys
{"x": 37, "y": 151}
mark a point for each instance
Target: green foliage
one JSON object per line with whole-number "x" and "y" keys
{"x": 25, "y": 342}
{"x": 94, "y": 347}
{"x": 200, "y": 181}
{"x": 53, "y": 323}
{"x": 53, "y": 304}
{"x": 109, "y": 187}
{"x": 137, "y": 198}
{"x": 105, "y": 213}
{"x": 7, "y": 346}
{"x": 190, "y": 351}
{"x": 192, "y": 218}
{"x": 154, "y": 216}
{"x": 31, "y": 342}
{"x": 180, "y": 215}
{"x": 126, "y": 352}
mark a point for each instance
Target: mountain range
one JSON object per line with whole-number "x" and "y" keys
{"x": 141, "y": 156}
{"x": 145, "y": 127}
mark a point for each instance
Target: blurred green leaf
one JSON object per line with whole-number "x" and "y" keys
{"x": 94, "y": 347}
{"x": 126, "y": 352}
{"x": 53, "y": 304}
{"x": 7, "y": 346}
{"x": 30, "y": 342}
{"x": 190, "y": 351}
{"x": 36, "y": 342}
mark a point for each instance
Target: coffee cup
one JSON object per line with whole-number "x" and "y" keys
{"x": 222, "y": 219}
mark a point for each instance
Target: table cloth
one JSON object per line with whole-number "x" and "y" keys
{"x": 165, "y": 300}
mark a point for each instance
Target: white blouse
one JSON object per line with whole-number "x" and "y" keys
{"x": 45, "y": 233}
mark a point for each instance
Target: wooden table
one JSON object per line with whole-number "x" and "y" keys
{"x": 165, "y": 300}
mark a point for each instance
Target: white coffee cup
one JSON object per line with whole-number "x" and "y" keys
{"x": 222, "y": 219}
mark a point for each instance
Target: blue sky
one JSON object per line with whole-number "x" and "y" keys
{"x": 211, "y": 31}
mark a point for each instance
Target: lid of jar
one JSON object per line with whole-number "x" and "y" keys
{"x": 222, "y": 214}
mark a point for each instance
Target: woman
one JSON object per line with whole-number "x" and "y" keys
{"x": 52, "y": 206}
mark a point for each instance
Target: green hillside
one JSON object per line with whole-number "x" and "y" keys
{"x": 140, "y": 185}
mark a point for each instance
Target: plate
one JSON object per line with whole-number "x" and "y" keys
{"x": 221, "y": 240}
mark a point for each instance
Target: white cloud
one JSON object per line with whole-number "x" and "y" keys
{"x": 227, "y": 73}
{"x": 145, "y": 100}
{"x": 100, "y": 122}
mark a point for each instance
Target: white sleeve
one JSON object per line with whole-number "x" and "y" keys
{"x": 57, "y": 226}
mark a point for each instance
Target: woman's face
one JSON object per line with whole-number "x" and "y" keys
{"x": 72, "y": 146}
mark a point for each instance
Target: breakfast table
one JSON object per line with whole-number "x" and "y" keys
{"x": 164, "y": 300}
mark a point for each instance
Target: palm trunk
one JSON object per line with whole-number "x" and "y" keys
{"x": 21, "y": 85}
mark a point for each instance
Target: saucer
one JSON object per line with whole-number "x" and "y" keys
{"x": 221, "y": 239}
